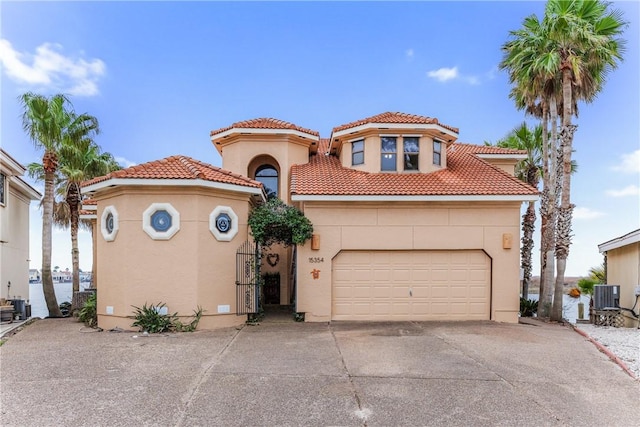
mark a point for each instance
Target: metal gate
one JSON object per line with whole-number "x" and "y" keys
{"x": 247, "y": 278}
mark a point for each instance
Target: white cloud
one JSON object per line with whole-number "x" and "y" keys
{"x": 49, "y": 69}
{"x": 124, "y": 162}
{"x": 630, "y": 190}
{"x": 586, "y": 213}
{"x": 444, "y": 74}
{"x": 630, "y": 163}
{"x": 409, "y": 53}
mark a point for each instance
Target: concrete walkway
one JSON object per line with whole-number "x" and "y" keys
{"x": 56, "y": 372}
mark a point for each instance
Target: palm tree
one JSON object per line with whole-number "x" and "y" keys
{"x": 534, "y": 90}
{"x": 585, "y": 46}
{"x": 78, "y": 162}
{"x": 49, "y": 121}
{"x": 528, "y": 170}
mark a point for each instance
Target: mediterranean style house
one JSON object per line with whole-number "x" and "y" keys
{"x": 408, "y": 225}
{"x": 15, "y": 198}
{"x": 622, "y": 261}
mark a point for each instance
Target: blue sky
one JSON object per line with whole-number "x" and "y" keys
{"x": 161, "y": 75}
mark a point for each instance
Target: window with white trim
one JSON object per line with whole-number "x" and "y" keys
{"x": 437, "y": 153}
{"x": 388, "y": 153}
{"x": 357, "y": 152}
{"x": 411, "y": 148}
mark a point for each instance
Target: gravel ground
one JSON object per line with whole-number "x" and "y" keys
{"x": 623, "y": 342}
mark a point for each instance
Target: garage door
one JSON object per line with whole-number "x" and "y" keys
{"x": 411, "y": 285}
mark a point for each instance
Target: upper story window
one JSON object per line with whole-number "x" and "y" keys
{"x": 268, "y": 176}
{"x": 411, "y": 152}
{"x": 357, "y": 152}
{"x": 437, "y": 153}
{"x": 388, "y": 153}
{"x": 3, "y": 179}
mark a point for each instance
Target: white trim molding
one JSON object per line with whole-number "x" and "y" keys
{"x": 618, "y": 242}
{"x": 223, "y": 236}
{"x": 260, "y": 131}
{"x": 151, "y": 231}
{"x": 109, "y": 236}
{"x": 113, "y": 182}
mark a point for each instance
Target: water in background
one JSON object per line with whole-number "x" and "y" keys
{"x": 570, "y": 306}
{"x": 64, "y": 292}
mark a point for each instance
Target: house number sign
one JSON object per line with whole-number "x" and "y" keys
{"x": 316, "y": 259}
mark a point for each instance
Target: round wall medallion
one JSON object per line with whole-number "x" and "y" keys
{"x": 223, "y": 223}
{"x": 161, "y": 221}
{"x": 109, "y": 223}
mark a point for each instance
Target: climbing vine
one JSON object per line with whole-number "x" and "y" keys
{"x": 277, "y": 222}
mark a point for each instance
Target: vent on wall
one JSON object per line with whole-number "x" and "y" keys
{"x": 606, "y": 296}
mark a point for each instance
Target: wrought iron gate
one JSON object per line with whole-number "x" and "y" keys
{"x": 247, "y": 278}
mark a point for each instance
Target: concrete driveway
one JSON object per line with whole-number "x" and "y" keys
{"x": 56, "y": 372}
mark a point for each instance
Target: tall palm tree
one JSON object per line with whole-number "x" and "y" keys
{"x": 48, "y": 121}
{"x": 534, "y": 90}
{"x": 79, "y": 162}
{"x": 585, "y": 45}
{"x": 528, "y": 170}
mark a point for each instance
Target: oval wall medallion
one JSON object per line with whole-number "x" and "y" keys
{"x": 109, "y": 223}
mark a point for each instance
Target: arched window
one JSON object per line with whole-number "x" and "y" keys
{"x": 268, "y": 176}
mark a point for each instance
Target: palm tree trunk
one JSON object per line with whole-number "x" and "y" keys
{"x": 563, "y": 240}
{"x": 546, "y": 297}
{"x": 49, "y": 162}
{"x": 528, "y": 227}
{"x": 73, "y": 200}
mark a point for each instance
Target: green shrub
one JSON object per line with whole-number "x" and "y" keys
{"x": 149, "y": 319}
{"x": 89, "y": 313}
{"x": 191, "y": 326}
{"x": 586, "y": 285}
{"x": 528, "y": 307}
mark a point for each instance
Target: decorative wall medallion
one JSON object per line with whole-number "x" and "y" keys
{"x": 161, "y": 221}
{"x": 273, "y": 259}
{"x": 109, "y": 223}
{"x": 223, "y": 223}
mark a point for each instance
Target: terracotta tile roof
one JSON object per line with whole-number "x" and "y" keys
{"x": 265, "y": 123}
{"x": 178, "y": 167}
{"x": 93, "y": 202}
{"x": 460, "y": 147}
{"x": 466, "y": 174}
{"x": 396, "y": 117}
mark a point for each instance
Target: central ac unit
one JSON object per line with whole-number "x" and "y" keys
{"x": 606, "y": 296}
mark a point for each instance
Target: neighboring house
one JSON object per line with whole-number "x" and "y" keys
{"x": 408, "y": 225}
{"x": 34, "y": 275}
{"x": 15, "y": 197}
{"x": 622, "y": 261}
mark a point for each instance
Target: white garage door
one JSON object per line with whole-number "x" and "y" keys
{"x": 411, "y": 285}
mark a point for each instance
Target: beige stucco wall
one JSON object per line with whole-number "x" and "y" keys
{"x": 287, "y": 150}
{"x": 372, "y": 153}
{"x": 406, "y": 226}
{"x": 14, "y": 249}
{"x": 189, "y": 270}
{"x": 623, "y": 268}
